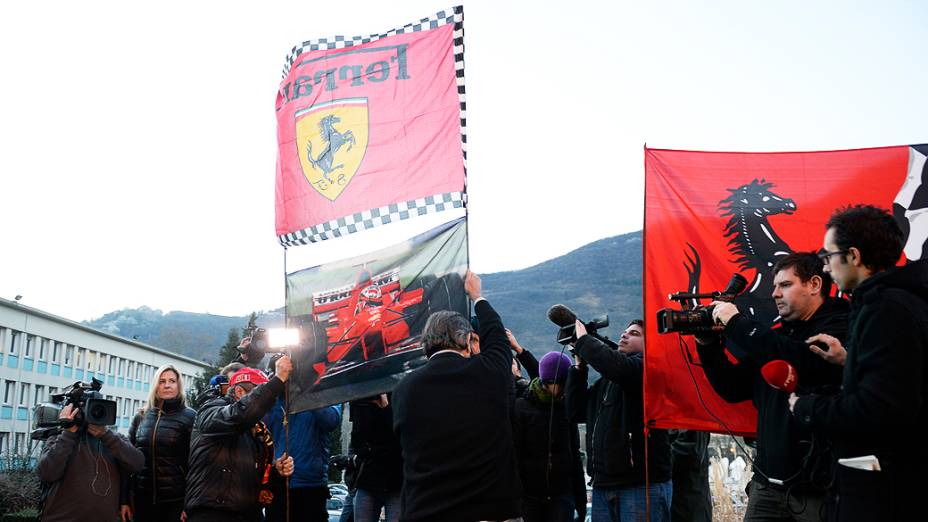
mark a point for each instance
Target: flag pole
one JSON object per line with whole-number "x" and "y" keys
{"x": 286, "y": 420}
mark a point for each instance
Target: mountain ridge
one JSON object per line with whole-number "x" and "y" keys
{"x": 602, "y": 277}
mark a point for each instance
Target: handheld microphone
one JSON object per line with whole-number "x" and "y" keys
{"x": 781, "y": 375}
{"x": 561, "y": 315}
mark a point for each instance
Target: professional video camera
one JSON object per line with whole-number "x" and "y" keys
{"x": 263, "y": 341}
{"x": 699, "y": 319}
{"x": 94, "y": 409}
{"x": 567, "y": 320}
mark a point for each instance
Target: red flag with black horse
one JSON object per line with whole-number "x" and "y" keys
{"x": 709, "y": 215}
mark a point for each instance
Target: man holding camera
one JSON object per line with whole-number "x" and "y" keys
{"x": 790, "y": 470}
{"x": 882, "y": 409}
{"x": 231, "y": 451}
{"x": 452, "y": 418}
{"x": 613, "y": 410}
{"x": 80, "y": 469}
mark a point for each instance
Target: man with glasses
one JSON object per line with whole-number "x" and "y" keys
{"x": 883, "y": 401}
{"x": 787, "y": 484}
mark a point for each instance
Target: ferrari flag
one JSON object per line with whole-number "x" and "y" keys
{"x": 371, "y": 130}
{"x": 710, "y": 215}
{"x": 360, "y": 319}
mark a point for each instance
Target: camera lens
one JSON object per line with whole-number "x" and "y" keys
{"x": 97, "y": 411}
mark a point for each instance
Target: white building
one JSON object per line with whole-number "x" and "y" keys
{"x": 41, "y": 354}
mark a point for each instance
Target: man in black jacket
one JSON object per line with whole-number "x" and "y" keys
{"x": 231, "y": 451}
{"x": 785, "y": 485}
{"x": 882, "y": 408}
{"x": 452, "y": 420}
{"x": 613, "y": 410}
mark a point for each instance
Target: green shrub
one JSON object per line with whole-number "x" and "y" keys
{"x": 19, "y": 486}
{"x": 26, "y": 515}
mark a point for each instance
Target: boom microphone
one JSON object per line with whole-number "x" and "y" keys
{"x": 561, "y": 315}
{"x": 781, "y": 375}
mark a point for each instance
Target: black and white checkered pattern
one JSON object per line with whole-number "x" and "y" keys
{"x": 453, "y": 15}
{"x": 372, "y": 218}
{"x": 355, "y": 222}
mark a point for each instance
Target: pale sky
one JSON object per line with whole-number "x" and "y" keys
{"x": 138, "y": 145}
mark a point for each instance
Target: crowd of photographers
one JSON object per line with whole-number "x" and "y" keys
{"x": 466, "y": 437}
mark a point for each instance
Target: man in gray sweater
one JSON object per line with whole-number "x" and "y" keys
{"x": 80, "y": 469}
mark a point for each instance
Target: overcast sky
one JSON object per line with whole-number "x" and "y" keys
{"x": 137, "y": 141}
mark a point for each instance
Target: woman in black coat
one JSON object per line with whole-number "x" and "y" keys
{"x": 162, "y": 431}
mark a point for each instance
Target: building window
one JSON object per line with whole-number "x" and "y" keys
{"x": 23, "y": 394}
{"x": 30, "y": 340}
{"x": 4, "y": 442}
{"x": 91, "y": 359}
{"x": 79, "y": 358}
{"x": 19, "y": 443}
{"x": 56, "y": 346}
{"x": 39, "y": 394}
{"x": 69, "y": 355}
{"x": 112, "y": 367}
{"x": 43, "y": 345}
{"x": 14, "y": 343}
{"x": 9, "y": 392}
{"x": 138, "y": 372}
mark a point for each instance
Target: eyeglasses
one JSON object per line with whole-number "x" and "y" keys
{"x": 826, "y": 256}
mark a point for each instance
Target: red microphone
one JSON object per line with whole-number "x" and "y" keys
{"x": 781, "y": 375}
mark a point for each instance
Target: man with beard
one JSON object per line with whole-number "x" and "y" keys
{"x": 785, "y": 486}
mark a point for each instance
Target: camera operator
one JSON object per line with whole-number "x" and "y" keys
{"x": 613, "y": 410}
{"x": 81, "y": 470}
{"x": 787, "y": 483}
{"x": 231, "y": 451}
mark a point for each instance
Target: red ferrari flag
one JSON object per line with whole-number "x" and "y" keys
{"x": 371, "y": 130}
{"x": 710, "y": 215}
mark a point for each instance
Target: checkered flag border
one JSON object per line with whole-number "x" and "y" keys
{"x": 453, "y": 15}
{"x": 373, "y": 218}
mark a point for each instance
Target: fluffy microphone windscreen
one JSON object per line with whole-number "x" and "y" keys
{"x": 561, "y": 315}
{"x": 781, "y": 375}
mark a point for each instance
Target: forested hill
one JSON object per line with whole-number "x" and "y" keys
{"x": 598, "y": 278}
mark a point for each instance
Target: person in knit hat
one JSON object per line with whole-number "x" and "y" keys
{"x": 548, "y": 447}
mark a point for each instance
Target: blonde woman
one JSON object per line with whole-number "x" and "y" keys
{"x": 162, "y": 431}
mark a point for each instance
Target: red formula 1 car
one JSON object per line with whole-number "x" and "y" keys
{"x": 375, "y": 318}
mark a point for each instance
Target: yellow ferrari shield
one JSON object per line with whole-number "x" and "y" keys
{"x": 331, "y": 139}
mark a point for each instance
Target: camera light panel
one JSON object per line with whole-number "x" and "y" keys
{"x": 283, "y": 337}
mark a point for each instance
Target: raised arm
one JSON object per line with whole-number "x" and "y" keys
{"x": 494, "y": 345}
{"x": 243, "y": 413}
{"x": 611, "y": 364}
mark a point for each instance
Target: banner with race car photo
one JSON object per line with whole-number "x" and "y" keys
{"x": 360, "y": 318}
{"x": 709, "y": 215}
{"x": 371, "y": 130}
